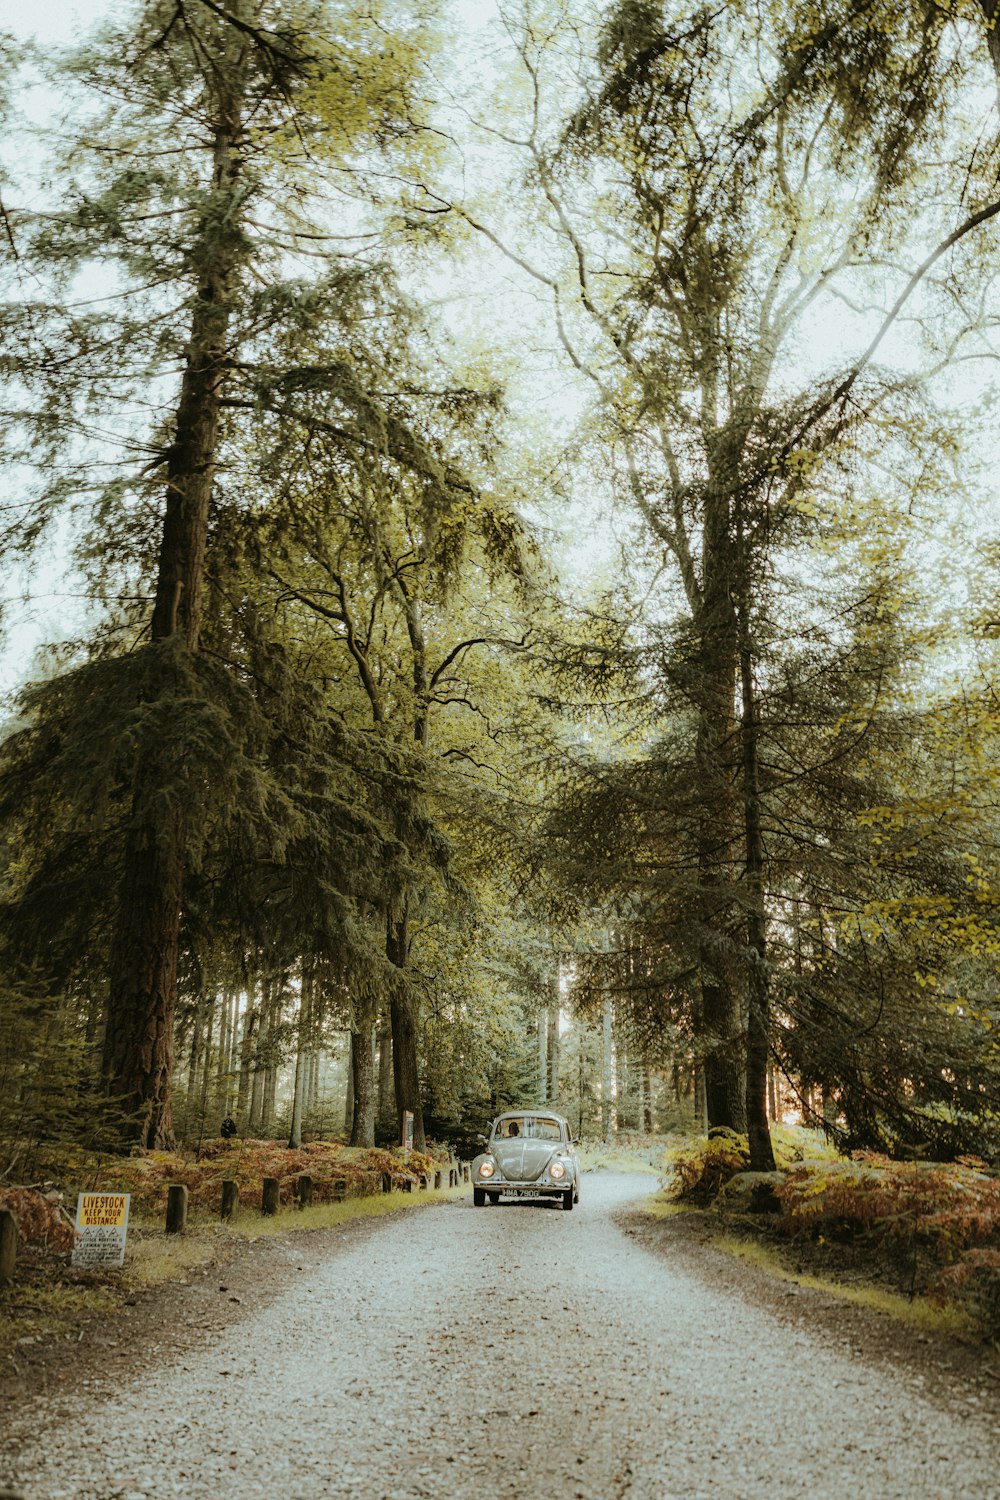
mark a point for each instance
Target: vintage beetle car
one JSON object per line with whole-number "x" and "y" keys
{"x": 529, "y": 1154}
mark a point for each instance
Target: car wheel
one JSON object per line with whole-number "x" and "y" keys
{"x": 568, "y": 1198}
{"x": 478, "y": 1197}
{"x": 494, "y": 1198}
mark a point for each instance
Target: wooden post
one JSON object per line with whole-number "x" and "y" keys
{"x": 407, "y": 1184}
{"x": 177, "y": 1208}
{"x": 437, "y": 1182}
{"x": 230, "y": 1197}
{"x": 465, "y": 1171}
{"x": 339, "y": 1190}
{"x": 8, "y": 1245}
{"x": 305, "y": 1189}
{"x": 387, "y": 1182}
{"x": 423, "y": 1182}
{"x": 270, "y": 1196}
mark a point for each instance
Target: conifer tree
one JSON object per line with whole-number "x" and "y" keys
{"x": 192, "y": 190}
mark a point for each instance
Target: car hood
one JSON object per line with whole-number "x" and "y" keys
{"x": 522, "y": 1160}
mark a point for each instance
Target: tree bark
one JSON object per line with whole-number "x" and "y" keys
{"x": 552, "y": 1051}
{"x": 363, "y": 1070}
{"x": 606, "y": 1071}
{"x": 250, "y": 1018}
{"x": 758, "y": 997}
{"x": 543, "y": 1057}
{"x": 303, "y": 1039}
{"x": 721, "y": 1019}
{"x": 386, "y": 1088}
{"x": 405, "y": 1069}
{"x": 349, "y": 1089}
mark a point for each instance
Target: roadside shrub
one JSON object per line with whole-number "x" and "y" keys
{"x": 702, "y": 1166}
{"x": 40, "y": 1217}
{"x": 908, "y": 1212}
{"x": 974, "y": 1284}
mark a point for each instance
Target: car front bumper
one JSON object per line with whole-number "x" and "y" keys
{"x": 526, "y": 1189}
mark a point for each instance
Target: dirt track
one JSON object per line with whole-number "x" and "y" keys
{"x": 509, "y": 1352}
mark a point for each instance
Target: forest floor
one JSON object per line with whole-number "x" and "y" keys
{"x": 399, "y": 1357}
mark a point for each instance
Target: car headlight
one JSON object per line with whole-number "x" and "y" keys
{"x": 557, "y": 1169}
{"x": 487, "y": 1169}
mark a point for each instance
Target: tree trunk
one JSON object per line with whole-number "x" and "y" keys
{"x": 606, "y": 1071}
{"x": 581, "y": 1087}
{"x": 138, "y": 1058}
{"x": 298, "y": 1087}
{"x": 303, "y": 1038}
{"x": 206, "y": 1067}
{"x": 194, "y": 1053}
{"x": 363, "y": 1070}
{"x": 700, "y": 1099}
{"x": 222, "y": 1072}
{"x": 138, "y": 1052}
{"x": 543, "y": 1058}
{"x": 257, "y": 1066}
{"x": 270, "y": 1088}
{"x": 386, "y": 1091}
{"x": 405, "y": 1070}
{"x": 250, "y": 1020}
{"x": 720, "y": 1017}
{"x": 552, "y": 1058}
{"x": 758, "y": 984}
{"x": 349, "y": 1088}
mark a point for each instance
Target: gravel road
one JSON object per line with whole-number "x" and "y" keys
{"x": 517, "y": 1351}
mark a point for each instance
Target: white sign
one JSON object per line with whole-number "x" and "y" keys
{"x": 101, "y": 1227}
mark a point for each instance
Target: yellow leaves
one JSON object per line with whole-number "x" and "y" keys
{"x": 365, "y": 86}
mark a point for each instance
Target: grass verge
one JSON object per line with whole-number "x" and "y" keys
{"x": 916, "y": 1312}
{"x": 771, "y": 1259}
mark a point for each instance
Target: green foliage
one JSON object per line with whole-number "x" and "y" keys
{"x": 52, "y": 1116}
{"x": 702, "y": 1167}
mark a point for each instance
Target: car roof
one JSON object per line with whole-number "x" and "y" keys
{"x": 537, "y": 1114}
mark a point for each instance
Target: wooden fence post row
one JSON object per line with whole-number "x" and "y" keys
{"x": 8, "y": 1245}
{"x": 177, "y": 1197}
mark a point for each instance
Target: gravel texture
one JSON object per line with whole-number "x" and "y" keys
{"x": 517, "y": 1351}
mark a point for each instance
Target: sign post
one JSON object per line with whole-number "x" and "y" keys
{"x": 407, "y": 1130}
{"x": 101, "y": 1227}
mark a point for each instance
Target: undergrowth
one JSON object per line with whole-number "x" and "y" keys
{"x": 928, "y": 1231}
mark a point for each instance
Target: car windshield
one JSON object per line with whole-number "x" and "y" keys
{"x": 527, "y": 1125}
